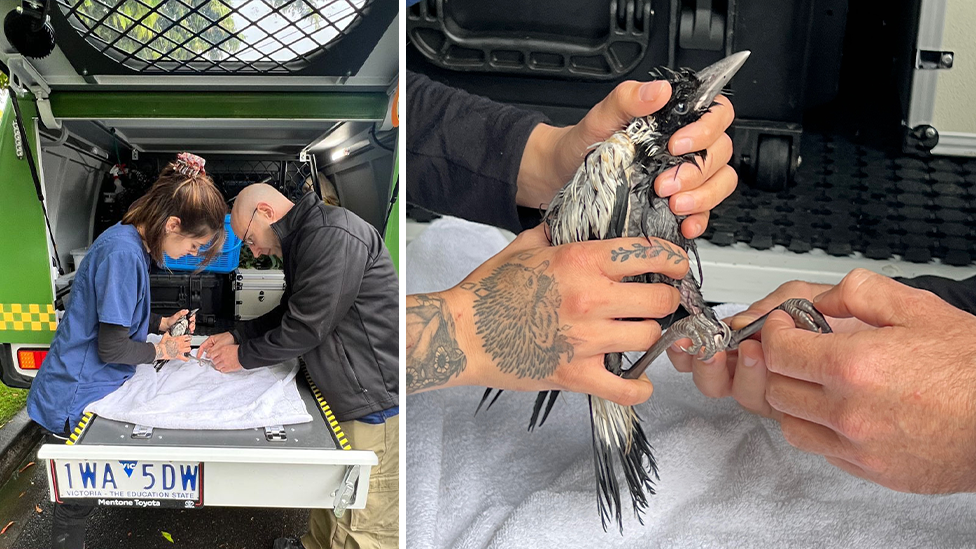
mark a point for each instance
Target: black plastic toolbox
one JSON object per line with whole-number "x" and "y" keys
{"x": 562, "y": 57}
{"x": 211, "y": 293}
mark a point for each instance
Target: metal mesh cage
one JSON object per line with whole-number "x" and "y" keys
{"x": 237, "y": 174}
{"x": 297, "y": 173}
{"x": 232, "y": 175}
{"x": 213, "y": 36}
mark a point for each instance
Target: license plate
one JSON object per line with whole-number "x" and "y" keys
{"x": 129, "y": 483}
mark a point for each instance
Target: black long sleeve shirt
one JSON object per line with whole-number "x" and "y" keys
{"x": 464, "y": 152}
{"x": 115, "y": 346}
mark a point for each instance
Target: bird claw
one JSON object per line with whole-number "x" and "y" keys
{"x": 709, "y": 337}
{"x": 804, "y": 314}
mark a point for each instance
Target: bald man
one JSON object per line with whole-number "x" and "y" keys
{"x": 340, "y": 313}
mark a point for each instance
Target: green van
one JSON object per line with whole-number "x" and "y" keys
{"x": 297, "y": 94}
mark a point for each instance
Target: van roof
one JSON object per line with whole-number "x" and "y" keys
{"x": 327, "y": 100}
{"x": 230, "y": 44}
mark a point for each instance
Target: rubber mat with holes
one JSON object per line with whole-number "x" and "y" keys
{"x": 853, "y": 198}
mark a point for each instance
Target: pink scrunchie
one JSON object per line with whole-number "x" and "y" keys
{"x": 190, "y": 164}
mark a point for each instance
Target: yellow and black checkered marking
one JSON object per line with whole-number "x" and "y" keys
{"x": 31, "y": 317}
{"x": 82, "y": 425}
{"x": 329, "y": 416}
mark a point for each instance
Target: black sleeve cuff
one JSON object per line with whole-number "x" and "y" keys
{"x": 958, "y": 293}
{"x": 154, "y": 322}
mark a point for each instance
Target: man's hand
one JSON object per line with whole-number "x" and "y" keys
{"x": 166, "y": 322}
{"x": 224, "y": 358}
{"x": 216, "y": 341}
{"x": 893, "y": 403}
{"x": 741, "y": 373}
{"x": 537, "y": 317}
{"x": 552, "y": 155}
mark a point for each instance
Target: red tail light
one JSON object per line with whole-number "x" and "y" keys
{"x": 30, "y": 359}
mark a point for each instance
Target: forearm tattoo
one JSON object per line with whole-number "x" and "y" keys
{"x": 517, "y": 317}
{"x": 642, "y": 251}
{"x": 433, "y": 354}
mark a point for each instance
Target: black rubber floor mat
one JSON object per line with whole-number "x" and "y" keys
{"x": 853, "y": 198}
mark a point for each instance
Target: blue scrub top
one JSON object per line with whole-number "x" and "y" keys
{"x": 111, "y": 286}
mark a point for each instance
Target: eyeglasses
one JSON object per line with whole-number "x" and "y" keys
{"x": 248, "y": 241}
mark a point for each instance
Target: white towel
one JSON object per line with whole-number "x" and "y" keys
{"x": 447, "y": 251}
{"x": 189, "y": 395}
{"x": 728, "y": 478}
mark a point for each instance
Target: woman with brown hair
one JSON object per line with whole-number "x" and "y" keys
{"x": 102, "y": 336}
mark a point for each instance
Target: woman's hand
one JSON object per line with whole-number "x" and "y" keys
{"x": 552, "y": 155}
{"x": 539, "y": 317}
{"x": 173, "y": 347}
{"x": 166, "y": 322}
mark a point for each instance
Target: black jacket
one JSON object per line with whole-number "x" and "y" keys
{"x": 958, "y": 293}
{"x": 340, "y": 310}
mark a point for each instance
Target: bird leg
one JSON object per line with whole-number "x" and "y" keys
{"x": 709, "y": 337}
{"x": 804, "y": 315}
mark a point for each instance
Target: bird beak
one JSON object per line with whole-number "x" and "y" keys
{"x": 716, "y": 76}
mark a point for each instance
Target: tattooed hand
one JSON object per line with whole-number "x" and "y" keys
{"x": 537, "y": 317}
{"x": 433, "y": 350}
{"x": 171, "y": 347}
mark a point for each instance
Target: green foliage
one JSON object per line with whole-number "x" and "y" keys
{"x": 265, "y": 262}
{"x": 164, "y": 27}
{"x": 204, "y": 30}
{"x": 3, "y": 91}
{"x": 11, "y": 401}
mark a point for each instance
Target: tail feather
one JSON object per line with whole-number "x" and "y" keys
{"x": 618, "y": 441}
{"x": 552, "y": 401}
{"x": 539, "y": 401}
{"x": 608, "y": 490}
{"x": 638, "y": 468}
{"x": 617, "y": 432}
{"x": 485, "y": 396}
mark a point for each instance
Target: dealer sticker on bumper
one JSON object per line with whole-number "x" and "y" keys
{"x": 129, "y": 483}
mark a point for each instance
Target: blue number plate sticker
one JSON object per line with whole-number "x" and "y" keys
{"x": 129, "y": 483}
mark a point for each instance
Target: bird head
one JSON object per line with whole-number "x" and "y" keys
{"x": 694, "y": 92}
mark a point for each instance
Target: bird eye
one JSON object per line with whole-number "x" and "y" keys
{"x": 681, "y": 108}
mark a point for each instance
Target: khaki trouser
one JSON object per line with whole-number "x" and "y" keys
{"x": 376, "y": 526}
